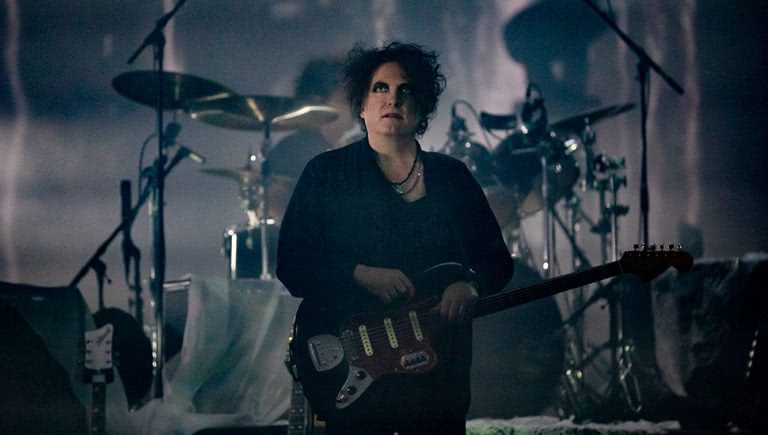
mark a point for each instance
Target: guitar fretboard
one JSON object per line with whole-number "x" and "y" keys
{"x": 98, "y": 411}
{"x": 523, "y": 295}
{"x": 299, "y": 413}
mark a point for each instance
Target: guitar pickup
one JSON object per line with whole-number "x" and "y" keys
{"x": 414, "y": 360}
{"x": 325, "y": 351}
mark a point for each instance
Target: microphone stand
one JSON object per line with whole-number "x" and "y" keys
{"x": 94, "y": 261}
{"x": 623, "y": 383}
{"x": 131, "y": 254}
{"x": 643, "y": 65}
{"x": 156, "y": 38}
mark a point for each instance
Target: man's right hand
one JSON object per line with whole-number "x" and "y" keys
{"x": 385, "y": 284}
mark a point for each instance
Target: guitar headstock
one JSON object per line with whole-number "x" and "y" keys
{"x": 648, "y": 262}
{"x": 98, "y": 355}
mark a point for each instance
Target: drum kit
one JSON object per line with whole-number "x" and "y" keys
{"x": 252, "y": 244}
{"x": 534, "y": 168}
{"x": 250, "y": 247}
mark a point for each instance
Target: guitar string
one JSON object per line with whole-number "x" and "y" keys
{"x": 403, "y": 324}
{"x": 376, "y": 332}
{"x": 379, "y": 332}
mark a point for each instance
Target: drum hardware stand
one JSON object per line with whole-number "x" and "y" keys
{"x": 622, "y": 397}
{"x": 263, "y": 208}
{"x": 644, "y": 64}
{"x": 156, "y": 39}
{"x": 608, "y": 226}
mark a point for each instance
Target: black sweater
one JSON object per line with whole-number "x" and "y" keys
{"x": 344, "y": 212}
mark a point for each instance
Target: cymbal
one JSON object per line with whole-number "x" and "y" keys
{"x": 577, "y": 123}
{"x": 239, "y": 174}
{"x": 178, "y": 88}
{"x": 254, "y": 112}
{"x": 245, "y": 174}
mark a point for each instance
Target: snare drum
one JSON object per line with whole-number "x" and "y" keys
{"x": 242, "y": 247}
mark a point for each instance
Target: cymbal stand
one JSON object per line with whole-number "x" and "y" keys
{"x": 548, "y": 252}
{"x": 610, "y": 212}
{"x": 156, "y": 39}
{"x": 622, "y": 398}
{"x": 260, "y": 159}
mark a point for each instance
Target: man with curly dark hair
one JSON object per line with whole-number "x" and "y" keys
{"x": 363, "y": 224}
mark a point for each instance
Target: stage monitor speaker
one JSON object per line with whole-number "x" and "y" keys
{"x": 36, "y": 395}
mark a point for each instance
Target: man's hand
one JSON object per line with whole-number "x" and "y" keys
{"x": 457, "y": 301}
{"x": 385, "y": 284}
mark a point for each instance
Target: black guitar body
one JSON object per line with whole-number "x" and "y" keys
{"x": 323, "y": 388}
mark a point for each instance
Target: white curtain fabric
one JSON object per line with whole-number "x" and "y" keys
{"x": 230, "y": 370}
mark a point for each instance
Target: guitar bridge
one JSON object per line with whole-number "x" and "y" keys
{"x": 325, "y": 351}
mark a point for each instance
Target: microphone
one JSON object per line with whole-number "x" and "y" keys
{"x": 458, "y": 131}
{"x": 188, "y": 152}
{"x": 491, "y": 121}
{"x": 457, "y": 122}
{"x": 533, "y": 111}
{"x": 172, "y": 131}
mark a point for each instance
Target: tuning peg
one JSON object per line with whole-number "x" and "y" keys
{"x": 661, "y": 246}
{"x": 652, "y": 247}
{"x": 636, "y": 246}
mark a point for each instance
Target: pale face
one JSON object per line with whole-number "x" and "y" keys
{"x": 390, "y": 108}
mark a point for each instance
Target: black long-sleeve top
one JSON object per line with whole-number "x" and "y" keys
{"x": 344, "y": 212}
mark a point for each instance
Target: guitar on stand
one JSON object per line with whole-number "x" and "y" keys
{"x": 98, "y": 372}
{"x": 300, "y": 415}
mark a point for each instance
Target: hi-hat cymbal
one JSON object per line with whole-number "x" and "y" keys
{"x": 254, "y": 112}
{"x": 245, "y": 174}
{"x": 576, "y": 124}
{"x": 178, "y": 88}
{"x": 239, "y": 174}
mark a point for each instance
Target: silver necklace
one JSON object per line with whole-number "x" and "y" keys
{"x": 399, "y": 188}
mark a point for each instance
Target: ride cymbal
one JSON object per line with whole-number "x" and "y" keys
{"x": 254, "y": 112}
{"x": 178, "y": 88}
{"x": 576, "y": 124}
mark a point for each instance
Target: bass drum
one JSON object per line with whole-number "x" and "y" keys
{"x": 518, "y": 356}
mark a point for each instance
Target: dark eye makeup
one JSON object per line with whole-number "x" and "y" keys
{"x": 404, "y": 89}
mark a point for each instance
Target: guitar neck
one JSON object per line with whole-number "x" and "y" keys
{"x": 98, "y": 411}
{"x": 523, "y": 295}
{"x": 299, "y": 414}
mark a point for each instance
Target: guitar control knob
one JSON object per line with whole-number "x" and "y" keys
{"x": 351, "y": 390}
{"x": 360, "y": 375}
{"x": 341, "y": 398}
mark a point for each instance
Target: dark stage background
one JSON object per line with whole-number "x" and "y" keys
{"x": 67, "y": 137}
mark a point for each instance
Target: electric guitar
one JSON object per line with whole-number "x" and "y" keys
{"x": 338, "y": 359}
{"x": 300, "y": 417}
{"x": 98, "y": 372}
